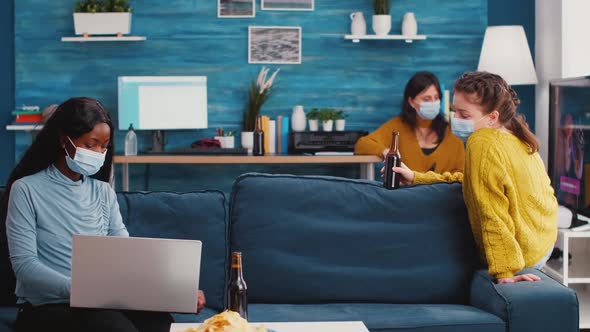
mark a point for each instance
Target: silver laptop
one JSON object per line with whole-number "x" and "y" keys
{"x": 135, "y": 273}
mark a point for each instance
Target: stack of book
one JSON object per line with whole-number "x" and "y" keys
{"x": 28, "y": 115}
{"x": 276, "y": 134}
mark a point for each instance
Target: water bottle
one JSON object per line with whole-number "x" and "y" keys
{"x": 131, "y": 142}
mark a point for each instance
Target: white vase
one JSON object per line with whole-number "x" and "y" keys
{"x": 298, "y": 119}
{"x": 328, "y": 125}
{"x": 340, "y": 124}
{"x": 409, "y": 25}
{"x": 102, "y": 23}
{"x": 381, "y": 24}
{"x": 358, "y": 26}
{"x": 248, "y": 140}
{"x": 314, "y": 124}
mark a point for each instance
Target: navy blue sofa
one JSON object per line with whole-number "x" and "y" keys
{"x": 324, "y": 248}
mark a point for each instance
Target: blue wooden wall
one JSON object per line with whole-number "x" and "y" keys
{"x": 6, "y": 86}
{"x": 186, "y": 38}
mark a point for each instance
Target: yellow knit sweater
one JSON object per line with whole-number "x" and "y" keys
{"x": 511, "y": 205}
{"x": 449, "y": 156}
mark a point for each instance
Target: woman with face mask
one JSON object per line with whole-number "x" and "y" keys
{"x": 426, "y": 143}
{"x": 511, "y": 205}
{"x": 58, "y": 189}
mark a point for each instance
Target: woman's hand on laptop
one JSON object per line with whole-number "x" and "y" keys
{"x": 201, "y": 301}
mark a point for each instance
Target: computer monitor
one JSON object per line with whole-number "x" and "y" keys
{"x": 162, "y": 103}
{"x": 569, "y": 142}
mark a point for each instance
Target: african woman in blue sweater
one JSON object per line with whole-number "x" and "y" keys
{"x": 58, "y": 189}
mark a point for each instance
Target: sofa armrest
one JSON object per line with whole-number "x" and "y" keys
{"x": 544, "y": 305}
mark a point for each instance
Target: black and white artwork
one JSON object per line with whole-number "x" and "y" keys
{"x": 236, "y": 8}
{"x": 287, "y": 4}
{"x": 272, "y": 44}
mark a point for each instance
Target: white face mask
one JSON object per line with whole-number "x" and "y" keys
{"x": 429, "y": 110}
{"x": 85, "y": 162}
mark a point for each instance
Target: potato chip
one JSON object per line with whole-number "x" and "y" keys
{"x": 227, "y": 321}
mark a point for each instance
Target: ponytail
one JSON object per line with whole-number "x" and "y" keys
{"x": 520, "y": 129}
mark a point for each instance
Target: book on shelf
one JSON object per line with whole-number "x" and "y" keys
{"x": 279, "y": 131}
{"x": 28, "y": 118}
{"x": 272, "y": 136}
{"x": 285, "y": 135}
{"x": 265, "y": 120}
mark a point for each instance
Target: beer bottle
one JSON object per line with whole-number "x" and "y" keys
{"x": 393, "y": 159}
{"x": 258, "y": 149}
{"x": 237, "y": 291}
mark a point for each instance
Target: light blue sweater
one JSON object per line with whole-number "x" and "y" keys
{"x": 44, "y": 211}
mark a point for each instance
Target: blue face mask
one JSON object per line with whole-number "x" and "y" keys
{"x": 462, "y": 128}
{"x": 85, "y": 162}
{"x": 429, "y": 110}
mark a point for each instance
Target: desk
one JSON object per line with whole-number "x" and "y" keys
{"x": 367, "y": 163}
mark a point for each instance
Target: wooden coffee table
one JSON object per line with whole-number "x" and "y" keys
{"x": 294, "y": 326}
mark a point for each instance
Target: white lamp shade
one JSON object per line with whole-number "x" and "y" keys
{"x": 506, "y": 52}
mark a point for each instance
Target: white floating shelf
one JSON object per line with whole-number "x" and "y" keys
{"x": 102, "y": 39}
{"x": 29, "y": 127}
{"x": 408, "y": 39}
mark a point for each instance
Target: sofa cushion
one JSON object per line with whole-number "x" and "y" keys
{"x": 194, "y": 215}
{"x": 309, "y": 239}
{"x": 7, "y": 318}
{"x": 384, "y": 317}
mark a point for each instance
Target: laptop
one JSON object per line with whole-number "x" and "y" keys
{"x": 135, "y": 273}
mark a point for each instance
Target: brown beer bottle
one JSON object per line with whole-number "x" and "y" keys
{"x": 393, "y": 159}
{"x": 237, "y": 291}
{"x": 258, "y": 149}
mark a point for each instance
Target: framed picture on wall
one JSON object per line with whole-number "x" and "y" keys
{"x": 287, "y": 4}
{"x": 273, "y": 44}
{"x": 236, "y": 8}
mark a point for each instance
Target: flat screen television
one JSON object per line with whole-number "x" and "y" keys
{"x": 569, "y": 142}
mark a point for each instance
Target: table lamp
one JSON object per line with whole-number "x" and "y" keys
{"x": 506, "y": 52}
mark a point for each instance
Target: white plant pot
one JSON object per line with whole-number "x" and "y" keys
{"x": 328, "y": 125}
{"x": 248, "y": 140}
{"x": 409, "y": 25}
{"x": 381, "y": 24}
{"x": 298, "y": 122}
{"x": 314, "y": 125}
{"x": 340, "y": 124}
{"x": 226, "y": 142}
{"x": 102, "y": 23}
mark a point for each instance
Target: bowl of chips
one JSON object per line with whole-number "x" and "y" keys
{"x": 227, "y": 321}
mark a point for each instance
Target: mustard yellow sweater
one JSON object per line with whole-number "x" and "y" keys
{"x": 511, "y": 205}
{"x": 449, "y": 156}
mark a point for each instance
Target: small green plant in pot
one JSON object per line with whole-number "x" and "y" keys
{"x": 382, "y": 17}
{"x": 259, "y": 92}
{"x": 327, "y": 116}
{"x": 340, "y": 122}
{"x": 102, "y": 17}
{"x": 313, "y": 119}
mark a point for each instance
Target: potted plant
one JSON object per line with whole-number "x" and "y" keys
{"x": 102, "y": 17}
{"x": 382, "y": 18}
{"x": 313, "y": 119}
{"x": 327, "y": 116}
{"x": 259, "y": 93}
{"x": 340, "y": 121}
